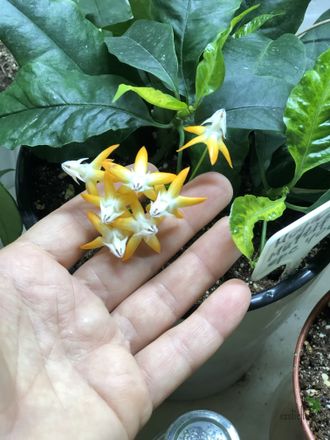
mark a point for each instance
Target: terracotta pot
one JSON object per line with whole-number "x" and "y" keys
{"x": 296, "y": 363}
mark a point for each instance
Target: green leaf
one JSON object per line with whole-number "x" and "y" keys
{"x": 252, "y": 101}
{"x": 245, "y": 212}
{"x": 50, "y": 106}
{"x": 148, "y": 46}
{"x": 252, "y": 26}
{"x": 317, "y": 40}
{"x": 104, "y": 13}
{"x": 290, "y": 17}
{"x": 284, "y": 58}
{"x": 141, "y": 9}
{"x": 307, "y": 118}
{"x": 32, "y": 28}
{"x": 3, "y": 172}
{"x": 195, "y": 24}
{"x": 153, "y": 96}
{"x": 210, "y": 72}
{"x": 10, "y": 219}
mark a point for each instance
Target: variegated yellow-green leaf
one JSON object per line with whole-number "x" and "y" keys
{"x": 245, "y": 212}
{"x": 153, "y": 96}
{"x": 253, "y": 25}
{"x": 211, "y": 69}
{"x": 307, "y": 118}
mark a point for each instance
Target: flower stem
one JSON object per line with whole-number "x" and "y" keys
{"x": 263, "y": 235}
{"x": 201, "y": 159}
{"x": 320, "y": 23}
{"x": 181, "y": 142}
{"x": 296, "y": 207}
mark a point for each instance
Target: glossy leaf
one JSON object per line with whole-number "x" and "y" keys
{"x": 195, "y": 24}
{"x": 307, "y": 118}
{"x": 10, "y": 219}
{"x": 252, "y": 101}
{"x": 47, "y": 106}
{"x": 291, "y": 15}
{"x": 317, "y": 40}
{"x": 148, "y": 46}
{"x": 211, "y": 69}
{"x": 153, "y": 96}
{"x": 3, "y": 172}
{"x": 104, "y": 13}
{"x": 141, "y": 9}
{"x": 32, "y": 28}
{"x": 284, "y": 58}
{"x": 252, "y": 26}
{"x": 245, "y": 212}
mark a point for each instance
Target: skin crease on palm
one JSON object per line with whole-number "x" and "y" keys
{"x": 69, "y": 369}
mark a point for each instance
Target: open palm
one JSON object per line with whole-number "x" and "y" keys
{"x": 69, "y": 369}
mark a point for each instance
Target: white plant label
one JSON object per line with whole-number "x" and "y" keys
{"x": 292, "y": 243}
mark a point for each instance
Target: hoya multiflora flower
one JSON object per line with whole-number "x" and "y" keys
{"x": 212, "y": 132}
{"x": 90, "y": 173}
{"x": 131, "y": 202}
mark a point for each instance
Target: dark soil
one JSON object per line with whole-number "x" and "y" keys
{"x": 315, "y": 376}
{"x": 8, "y": 67}
{"x": 47, "y": 176}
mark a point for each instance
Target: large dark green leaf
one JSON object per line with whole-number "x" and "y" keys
{"x": 265, "y": 145}
{"x": 307, "y": 118}
{"x": 317, "y": 40}
{"x": 35, "y": 27}
{"x": 47, "y": 106}
{"x": 251, "y": 101}
{"x": 104, "y": 12}
{"x": 195, "y": 24}
{"x": 10, "y": 219}
{"x": 292, "y": 15}
{"x": 141, "y": 9}
{"x": 149, "y": 46}
{"x": 323, "y": 199}
{"x": 284, "y": 58}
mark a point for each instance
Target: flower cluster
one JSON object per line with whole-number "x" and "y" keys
{"x": 132, "y": 201}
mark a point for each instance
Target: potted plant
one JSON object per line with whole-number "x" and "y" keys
{"x": 311, "y": 372}
{"x": 152, "y": 72}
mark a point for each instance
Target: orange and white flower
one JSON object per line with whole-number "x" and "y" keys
{"x": 90, "y": 173}
{"x": 110, "y": 237}
{"x": 169, "y": 201}
{"x": 212, "y": 132}
{"x": 112, "y": 204}
{"x": 141, "y": 226}
{"x": 139, "y": 178}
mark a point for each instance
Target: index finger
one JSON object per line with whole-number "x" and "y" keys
{"x": 62, "y": 232}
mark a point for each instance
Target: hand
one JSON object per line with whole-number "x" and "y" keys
{"x": 68, "y": 368}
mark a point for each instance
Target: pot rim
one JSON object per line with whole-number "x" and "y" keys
{"x": 296, "y": 362}
{"x": 258, "y": 300}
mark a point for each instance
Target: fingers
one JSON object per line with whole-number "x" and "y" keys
{"x": 114, "y": 280}
{"x": 175, "y": 355}
{"x": 62, "y": 232}
{"x": 167, "y": 296}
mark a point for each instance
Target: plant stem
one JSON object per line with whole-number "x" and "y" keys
{"x": 263, "y": 235}
{"x": 201, "y": 159}
{"x": 181, "y": 141}
{"x": 320, "y": 23}
{"x": 296, "y": 207}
